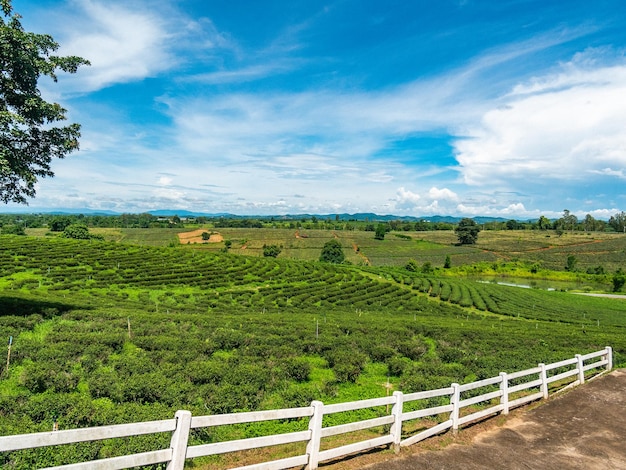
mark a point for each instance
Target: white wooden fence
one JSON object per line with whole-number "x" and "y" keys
{"x": 467, "y": 403}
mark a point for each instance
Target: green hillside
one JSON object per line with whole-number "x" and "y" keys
{"x": 106, "y": 333}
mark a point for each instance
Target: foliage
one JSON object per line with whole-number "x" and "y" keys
{"x": 13, "y": 229}
{"x": 217, "y": 333}
{"x": 427, "y": 268}
{"x": 29, "y": 141}
{"x": 571, "y": 263}
{"x": 271, "y": 251}
{"x": 619, "y": 279}
{"x": 58, "y": 224}
{"x": 381, "y": 229}
{"x": 618, "y": 222}
{"x": 567, "y": 222}
{"x": 332, "y": 252}
{"x": 412, "y": 266}
{"x": 447, "y": 264}
{"x": 467, "y": 231}
{"x": 79, "y": 232}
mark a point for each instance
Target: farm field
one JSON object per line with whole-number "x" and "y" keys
{"x": 109, "y": 332}
{"x": 544, "y": 248}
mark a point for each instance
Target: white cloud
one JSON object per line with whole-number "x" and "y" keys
{"x": 121, "y": 43}
{"x": 610, "y": 172}
{"x": 442, "y": 194}
{"x": 558, "y": 127}
{"x": 433, "y": 201}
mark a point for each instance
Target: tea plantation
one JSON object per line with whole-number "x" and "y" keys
{"x": 106, "y": 333}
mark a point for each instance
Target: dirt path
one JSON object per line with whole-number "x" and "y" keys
{"x": 608, "y": 296}
{"x": 584, "y": 428}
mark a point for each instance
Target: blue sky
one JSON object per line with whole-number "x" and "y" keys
{"x": 512, "y": 108}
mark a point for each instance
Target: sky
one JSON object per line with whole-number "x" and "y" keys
{"x": 504, "y": 108}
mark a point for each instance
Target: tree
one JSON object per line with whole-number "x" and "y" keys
{"x": 568, "y": 221}
{"x": 571, "y": 263}
{"x": 380, "y": 232}
{"x": 79, "y": 232}
{"x": 13, "y": 229}
{"x": 271, "y": 251}
{"x": 447, "y": 263}
{"x": 58, "y": 224}
{"x": 427, "y": 268}
{"x": 28, "y": 139}
{"x": 332, "y": 252}
{"x": 411, "y": 265}
{"x": 544, "y": 223}
{"x": 619, "y": 279}
{"x": 618, "y": 222}
{"x": 512, "y": 224}
{"x": 467, "y": 231}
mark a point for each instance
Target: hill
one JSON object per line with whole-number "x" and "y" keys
{"x": 106, "y": 333}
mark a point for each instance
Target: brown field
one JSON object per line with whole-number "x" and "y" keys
{"x": 195, "y": 236}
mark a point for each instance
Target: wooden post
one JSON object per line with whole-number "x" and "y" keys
{"x": 543, "y": 375}
{"x": 581, "y": 370}
{"x": 396, "y": 427}
{"x": 609, "y": 358}
{"x": 129, "y": 334}
{"x": 455, "y": 398}
{"x": 315, "y": 426}
{"x": 504, "y": 399}
{"x": 178, "y": 444}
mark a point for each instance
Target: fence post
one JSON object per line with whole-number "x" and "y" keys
{"x": 178, "y": 444}
{"x": 504, "y": 399}
{"x": 581, "y": 370}
{"x": 315, "y": 426}
{"x": 609, "y": 358}
{"x": 543, "y": 375}
{"x": 455, "y": 398}
{"x": 396, "y": 427}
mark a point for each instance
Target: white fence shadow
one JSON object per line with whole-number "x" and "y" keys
{"x": 463, "y": 404}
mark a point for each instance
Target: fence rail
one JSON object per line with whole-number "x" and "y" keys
{"x": 486, "y": 397}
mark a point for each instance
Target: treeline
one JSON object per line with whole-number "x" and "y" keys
{"x": 17, "y": 223}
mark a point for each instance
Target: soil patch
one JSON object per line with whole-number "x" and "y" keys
{"x": 196, "y": 237}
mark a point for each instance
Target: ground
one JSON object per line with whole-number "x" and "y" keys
{"x": 196, "y": 237}
{"x": 583, "y": 428}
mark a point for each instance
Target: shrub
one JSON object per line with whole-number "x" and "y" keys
{"x": 332, "y": 252}
{"x": 271, "y": 251}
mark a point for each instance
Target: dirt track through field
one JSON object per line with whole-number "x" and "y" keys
{"x": 582, "y": 429}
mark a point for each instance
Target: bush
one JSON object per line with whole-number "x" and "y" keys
{"x": 619, "y": 279}
{"x": 411, "y": 266}
{"x": 297, "y": 369}
{"x": 347, "y": 365}
{"x": 332, "y": 252}
{"x": 271, "y": 251}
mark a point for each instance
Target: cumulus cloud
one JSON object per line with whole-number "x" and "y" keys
{"x": 562, "y": 126}
{"x": 430, "y": 202}
{"x": 442, "y": 194}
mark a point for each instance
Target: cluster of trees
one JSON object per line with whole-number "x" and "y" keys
{"x": 56, "y": 222}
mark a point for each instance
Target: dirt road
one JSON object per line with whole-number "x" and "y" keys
{"x": 582, "y": 429}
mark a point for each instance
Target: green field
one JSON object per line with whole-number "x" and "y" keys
{"x": 121, "y": 331}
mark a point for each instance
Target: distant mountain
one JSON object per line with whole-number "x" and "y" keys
{"x": 361, "y": 217}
